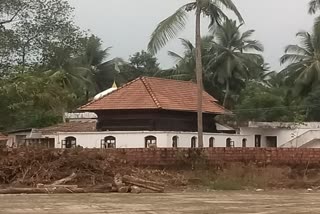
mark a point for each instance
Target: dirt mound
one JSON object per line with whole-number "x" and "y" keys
{"x": 93, "y": 167}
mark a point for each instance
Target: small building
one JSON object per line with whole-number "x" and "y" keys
{"x": 144, "y": 113}
{"x": 3, "y": 140}
{"x": 154, "y": 104}
{"x": 285, "y": 135}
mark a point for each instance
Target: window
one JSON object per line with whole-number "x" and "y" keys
{"x": 193, "y": 142}
{"x": 244, "y": 142}
{"x": 272, "y": 141}
{"x": 150, "y": 142}
{"x": 175, "y": 141}
{"x": 108, "y": 142}
{"x": 69, "y": 142}
{"x": 229, "y": 142}
{"x": 211, "y": 142}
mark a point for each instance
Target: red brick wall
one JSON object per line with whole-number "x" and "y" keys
{"x": 211, "y": 156}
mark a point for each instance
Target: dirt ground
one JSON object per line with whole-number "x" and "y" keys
{"x": 220, "y": 202}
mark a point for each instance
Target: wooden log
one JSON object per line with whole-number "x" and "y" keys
{"x": 106, "y": 188}
{"x": 118, "y": 180}
{"x": 40, "y": 190}
{"x": 155, "y": 189}
{"x": 57, "y": 186}
{"x": 154, "y": 186}
{"x": 123, "y": 189}
{"x": 65, "y": 180}
{"x": 151, "y": 183}
{"x": 135, "y": 189}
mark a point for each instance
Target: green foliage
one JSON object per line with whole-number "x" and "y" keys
{"x": 312, "y": 103}
{"x": 303, "y": 63}
{"x": 144, "y": 63}
{"x": 31, "y": 100}
{"x": 258, "y": 102}
{"x": 229, "y": 59}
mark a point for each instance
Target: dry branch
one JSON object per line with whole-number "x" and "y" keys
{"x": 65, "y": 180}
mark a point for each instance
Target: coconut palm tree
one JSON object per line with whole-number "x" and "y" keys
{"x": 171, "y": 26}
{"x": 186, "y": 62}
{"x": 303, "y": 69}
{"x": 234, "y": 56}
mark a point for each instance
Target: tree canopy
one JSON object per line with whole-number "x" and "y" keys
{"x": 48, "y": 65}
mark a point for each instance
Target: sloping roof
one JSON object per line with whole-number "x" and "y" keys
{"x": 3, "y": 137}
{"x": 88, "y": 126}
{"x": 155, "y": 93}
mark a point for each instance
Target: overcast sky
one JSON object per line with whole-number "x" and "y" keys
{"x": 126, "y": 25}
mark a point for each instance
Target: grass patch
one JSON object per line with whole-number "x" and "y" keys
{"x": 240, "y": 177}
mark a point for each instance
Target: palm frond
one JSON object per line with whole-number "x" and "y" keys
{"x": 187, "y": 44}
{"x": 292, "y": 58}
{"x": 252, "y": 45}
{"x": 176, "y": 57}
{"x": 297, "y": 50}
{"x": 168, "y": 29}
{"x": 314, "y": 5}
{"x": 231, "y": 6}
{"x": 306, "y": 41}
{"x": 247, "y": 34}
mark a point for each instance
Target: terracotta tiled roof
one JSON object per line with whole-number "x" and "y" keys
{"x": 155, "y": 93}
{"x": 88, "y": 126}
{"x": 3, "y": 137}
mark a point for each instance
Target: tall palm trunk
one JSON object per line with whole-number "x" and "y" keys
{"x": 226, "y": 95}
{"x": 199, "y": 74}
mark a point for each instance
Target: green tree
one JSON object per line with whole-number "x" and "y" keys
{"x": 260, "y": 103}
{"x": 234, "y": 56}
{"x": 312, "y": 105}
{"x": 186, "y": 63}
{"x": 303, "y": 63}
{"x": 144, "y": 63}
{"x": 34, "y": 26}
{"x": 168, "y": 29}
{"x": 32, "y": 100}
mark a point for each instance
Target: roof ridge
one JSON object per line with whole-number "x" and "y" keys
{"x": 149, "y": 89}
{"x": 93, "y": 101}
{"x": 176, "y": 80}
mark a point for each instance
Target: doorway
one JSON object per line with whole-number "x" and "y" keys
{"x": 257, "y": 141}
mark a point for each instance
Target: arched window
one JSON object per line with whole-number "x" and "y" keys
{"x": 109, "y": 142}
{"x": 193, "y": 142}
{"x": 175, "y": 141}
{"x": 69, "y": 142}
{"x": 244, "y": 142}
{"x": 229, "y": 142}
{"x": 211, "y": 142}
{"x": 150, "y": 142}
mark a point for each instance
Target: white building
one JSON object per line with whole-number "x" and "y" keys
{"x": 145, "y": 113}
{"x": 83, "y": 134}
{"x": 285, "y": 135}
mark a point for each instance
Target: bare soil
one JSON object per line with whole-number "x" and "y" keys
{"x": 27, "y": 168}
{"x": 220, "y": 202}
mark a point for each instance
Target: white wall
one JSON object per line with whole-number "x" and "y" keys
{"x": 137, "y": 139}
{"x": 283, "y": 135}
{"x": 12, "y": 138}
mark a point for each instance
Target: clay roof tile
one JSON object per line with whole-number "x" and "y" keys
{"x": 155, "y": 93}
